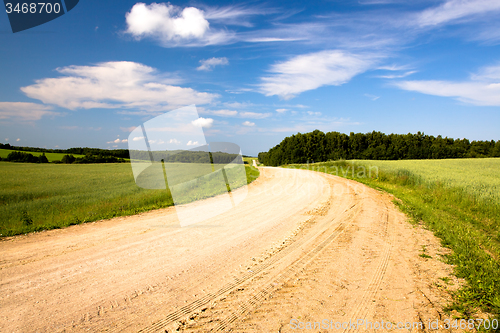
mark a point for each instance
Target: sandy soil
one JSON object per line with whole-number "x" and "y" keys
{"x": 302, "y": 247}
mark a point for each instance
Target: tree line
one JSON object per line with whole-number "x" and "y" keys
{"x": 186, "y": 156}
{"x": 88, "y": 159}
{"x": 17, "y": 156}
{"x": 120, "y": 153}
{"x": 317, "y": 146}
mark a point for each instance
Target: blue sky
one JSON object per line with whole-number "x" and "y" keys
{"x": 257, "y": 71}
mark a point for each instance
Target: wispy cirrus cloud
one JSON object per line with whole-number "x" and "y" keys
{"x": 234, "y": 113}
{"x": 456, "y": 11}
{"x": 396, "y": 76}
{"x": 114, "y": 85}
{"x": 311, "y": 71}
{"x": 254, "y": 115}
{"x": 483, "y": 88}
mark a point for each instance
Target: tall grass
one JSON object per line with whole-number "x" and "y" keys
{"x": 456, "y": 199}
{"x": 37, "y": 197}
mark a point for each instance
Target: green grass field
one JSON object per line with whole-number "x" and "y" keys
{"x": 479, "y": 177}
{"x": 45, "y": 196}
{"x": 459, "y": 201}
{"x": 50, "y": 156}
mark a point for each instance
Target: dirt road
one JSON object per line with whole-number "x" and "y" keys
{"x": 302, "y": 247}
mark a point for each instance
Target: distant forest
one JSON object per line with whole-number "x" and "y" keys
{"x": 119, "y": 153}
{"x": 317, "y": 146}
{"x": 97, "y": 155}
{"x": 187, "y": 156}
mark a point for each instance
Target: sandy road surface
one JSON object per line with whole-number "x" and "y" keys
{"x": 302, "y": 245}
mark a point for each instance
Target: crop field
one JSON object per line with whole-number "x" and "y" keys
{"x": 459, "y": 201}
{"x": 45, "y": 196}
{"x": 479, "y": 177}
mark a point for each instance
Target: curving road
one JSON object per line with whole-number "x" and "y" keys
{"x": 301, "y": 245}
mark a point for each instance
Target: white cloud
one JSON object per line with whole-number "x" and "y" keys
{"x": 311, "y": 113}
{"x": 254, "y": 115}
{"x": 273, "y": 39}
{"x": 166, "y": 20}
{"x": 233, "y": 113}
{"x": 173, "y": 26}
{"x": 482, "y": 89}
{"x": 138, "y": 138}
{"x": 124, "y": 140}
{"x": 20, "y": 111}
{"x": 238, "y": 105}
{"x": 396, "y": 76}
{"x": 453, "y": 10}
{"x": 234, "y": 15}
{"x": 203, "y": 122}
{"x": 174, "y": 141}
{"x": 372, "y": 97}
{"x": 311, "y": 71}
{"x": 248, "y": 123}
{"x": 209, "y": 64}
{"x": 128, "y": 129}
{"x": 281, "y": 110}
{"x": 121, "y": 84}
{"x": 224, "y": 113}
{"x": 17, "y": 140}
{"x": 191, "y": 143}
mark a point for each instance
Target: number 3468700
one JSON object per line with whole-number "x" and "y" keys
{"x": 33, "y": 8}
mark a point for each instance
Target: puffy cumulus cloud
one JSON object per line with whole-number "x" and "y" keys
{"x": 248, "y": 123}
{"x": 209, "y": 64}
{"x": 120, "y": 84}
{"x": 138, "y": 138}
{"x": 192, "y": 143}
{"x": 482, "y": 89}
{"x": 20, "y": 111}
{"x": 173, "y": 26}
{"x": 203, "y": 122}
{"x": 311, "y": 71}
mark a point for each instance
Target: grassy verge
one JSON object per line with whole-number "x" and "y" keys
{"x": 36, "y": 197}
{"x": 465, "y": 220}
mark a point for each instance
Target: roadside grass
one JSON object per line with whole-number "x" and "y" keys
{"x": 35, "y": 197}
{"x": 50, "y": 156}
{"x": 455, "y": 199}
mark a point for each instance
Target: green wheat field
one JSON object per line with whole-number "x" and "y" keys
{"x": 36, "y": 197}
